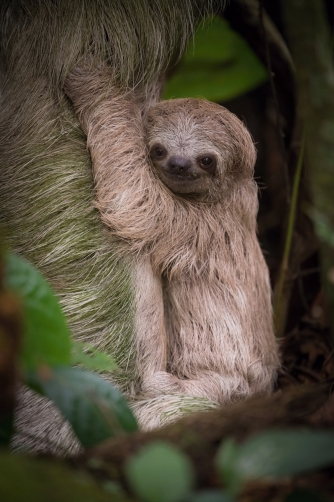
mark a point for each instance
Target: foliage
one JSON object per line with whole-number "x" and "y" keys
{"x": 218, "y": 64}
{"x": 159, "y": 472}
{"x": 274, "y": 455}
{"x": 46, "y": 336}
{"x": 93, "y": 407}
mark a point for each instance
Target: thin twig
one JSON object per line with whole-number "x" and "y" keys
{"x": 278, "y": 298}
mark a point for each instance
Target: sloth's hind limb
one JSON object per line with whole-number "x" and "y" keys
{"x": 164, "y": 409}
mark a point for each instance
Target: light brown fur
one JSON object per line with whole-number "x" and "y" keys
{"x": 203, "y": 318}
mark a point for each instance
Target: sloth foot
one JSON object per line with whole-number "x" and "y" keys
{"x": 161, "y": 382}
{"x": 217, "y": 388}
{"x": 166, "y": 408}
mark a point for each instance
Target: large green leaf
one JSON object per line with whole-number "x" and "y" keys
{"x": 218, "y": 65}
{"x": 159, "y": 472}
{"x": 94, "y": 408}
{"x": 275, "y": 454}
{"x": 46, "y": 336}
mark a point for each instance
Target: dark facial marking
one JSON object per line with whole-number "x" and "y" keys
{"x": 207, "y": 162}
{"x": 158, "y": 152}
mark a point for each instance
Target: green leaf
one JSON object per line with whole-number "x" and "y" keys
{"x": 91, "y": 358}
{"x": 94, "y": 408}
{"x": 46, "y": 335}
{"x": 275, "y": 454}
{"x": 219, "y": 65}
{"x": 159, "y": 472}
{"x": 227, "y": 459}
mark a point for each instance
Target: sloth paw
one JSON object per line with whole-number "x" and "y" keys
{"x": 261, "y": 377}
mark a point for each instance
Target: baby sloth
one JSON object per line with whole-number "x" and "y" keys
{"x": 175, "y": 185}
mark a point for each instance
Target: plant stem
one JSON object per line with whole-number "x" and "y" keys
{"x": 279, "y": 301}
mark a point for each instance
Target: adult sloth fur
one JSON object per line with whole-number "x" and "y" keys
{"x": 180, "y": 196}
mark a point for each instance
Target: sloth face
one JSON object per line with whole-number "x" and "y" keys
{"x": 198, "y": 148}
{"x": 181, "y": 170}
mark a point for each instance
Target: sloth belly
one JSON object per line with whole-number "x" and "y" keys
{"x": 193, "y": 338}
{"x": 209, "y": 344}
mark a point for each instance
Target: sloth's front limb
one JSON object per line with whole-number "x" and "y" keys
{"x": 131, "y": 200}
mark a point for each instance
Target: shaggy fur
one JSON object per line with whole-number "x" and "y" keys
{"x": 203, "y": 319}
{"x": 46, "y": 185}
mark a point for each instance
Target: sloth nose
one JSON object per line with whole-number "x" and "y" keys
{"x": 179, "y": 165}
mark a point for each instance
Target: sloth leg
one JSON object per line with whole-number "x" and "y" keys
{"x": 164, "y": 409}
{"x": 258, "y": 378}
{"x": 218, "y": 388}
{"x": 149, "y": 320}
{"x": 151, "y": 335}
{"x": 215, "y": 387}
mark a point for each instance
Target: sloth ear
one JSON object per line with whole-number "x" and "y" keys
{"x": 247, "y": 160}
{"x": 243, "y": 156}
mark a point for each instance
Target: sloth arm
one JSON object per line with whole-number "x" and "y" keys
{"x": 125, "y": 189}
{"x": 129, "y": 196}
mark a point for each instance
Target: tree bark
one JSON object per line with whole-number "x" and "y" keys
{"x": 200, "y": 435}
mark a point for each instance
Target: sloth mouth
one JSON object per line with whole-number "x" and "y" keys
{"x": 186, "y": 183}
{"x": 181, "y": 177}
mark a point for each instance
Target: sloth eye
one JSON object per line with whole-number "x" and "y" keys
{"x": 158, "y": 152}
{"x": 206, "y": 161}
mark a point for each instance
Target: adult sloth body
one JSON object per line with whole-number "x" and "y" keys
{"x": 179, "y": 194}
